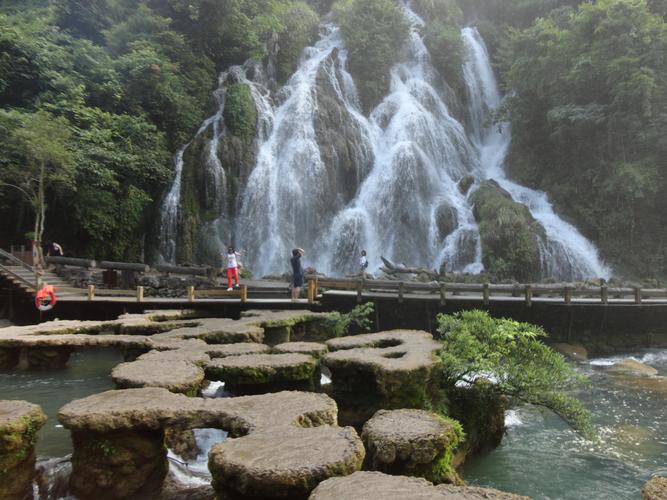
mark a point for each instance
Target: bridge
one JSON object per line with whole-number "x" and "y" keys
{"x": 23, "y": 279}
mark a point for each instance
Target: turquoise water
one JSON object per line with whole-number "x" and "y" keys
{"x": 88, "y": 372}
{"x": 542, "y": 458}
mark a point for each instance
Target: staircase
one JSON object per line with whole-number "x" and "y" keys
{"x": 21, "y": 276}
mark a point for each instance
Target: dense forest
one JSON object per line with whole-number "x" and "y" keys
{"x": 97, "y": 96}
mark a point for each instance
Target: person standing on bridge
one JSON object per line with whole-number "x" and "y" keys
{"x": 297, "y": 273}
{"x": 363, "y": 263}
{"x": 232, "y": 267}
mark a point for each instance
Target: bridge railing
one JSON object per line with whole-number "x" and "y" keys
{"x": 485, "y": 292}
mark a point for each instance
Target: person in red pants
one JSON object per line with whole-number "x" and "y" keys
{"x": 232, "y": 268}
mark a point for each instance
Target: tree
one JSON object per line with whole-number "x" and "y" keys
{"x": 515, "y": 361}
{"x": 42, "y": 140}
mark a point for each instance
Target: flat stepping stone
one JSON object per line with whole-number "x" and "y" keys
{"x": 395, "y": 365}
{"x": 192, "y": 356}
{"x": 226, "y": 350}
{"x": 286, "y": 462}
{"x": 655, "y": 489}
{"x": 315, "y": 349}
{"x": 173, "y": 375}
{"x": 19, "y": 423}
{"x": 412, "y": 443}
{"x": 262, "y": 368}
{"x": 379, "y": 486}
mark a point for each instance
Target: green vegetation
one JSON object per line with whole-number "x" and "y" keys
{"x": 374, "y": 33}
{"x": 240, "y": 112}
{"x": 510, "y": 235}
{"x": 510, "y": 353}
{"x": 124, "y": 83}
{"x": 587, "y": 110}
{"x": 359, "y": 318}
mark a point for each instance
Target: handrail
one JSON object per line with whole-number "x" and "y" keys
{"x": 15, "y": 259}
{"x": 17, "y": 277}
{"x": 526, "y": 292}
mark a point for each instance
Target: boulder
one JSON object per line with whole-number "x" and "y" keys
{"x": 510, "y": 235}
{"x": 379, "y": 486}
{"x": 45, "y": 358}
{"x": 465, "y": 184}
{"x": 412, "y": 443}
{"x": 655, "y": 489}
{"x": 576, "y": 352}
{"x": 632, "y": 367}
{"x": 446, "y": 219}
{"x": 19, "y": 423}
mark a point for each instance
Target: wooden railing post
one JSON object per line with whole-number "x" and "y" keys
{"x": 443, "y": 294}
{"x": 529, "y": 295}
{"x": 91, "y": 292}
{"x": 244, "y": 293}
{"x": 401, "y": 287}
{"x": 485, "y": 293}
{"x": 360, "y": 290}
{"x": 604, "y": 294}
{"x": 140, "y": 294}
{"x": 638, "y": 295}
{"x": 311, "y": 291}
{"x": 191, "y": 294}
{"x": 567, "y": 295}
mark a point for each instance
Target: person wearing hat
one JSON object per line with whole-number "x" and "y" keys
{"x": 297, "y": 273}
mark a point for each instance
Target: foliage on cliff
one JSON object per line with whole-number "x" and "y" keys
{"x": 515, "y": 361}
{"x": 129, "y": 81}
{"x": 509, "y": 233}
{"x": 588, "y": 83}
{"x": 374, "y": 33}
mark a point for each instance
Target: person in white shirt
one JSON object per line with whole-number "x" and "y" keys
{"x": 232, "y": 267}
{"x": 363, "y": 262}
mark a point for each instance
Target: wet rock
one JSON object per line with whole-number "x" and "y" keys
{"x": 446, "y": 220}
{"x": 412, "y": 443}
{"x": 398, "y": 366}
{"x": 119, "y": 464}
{"x": 632, "y": 367}
{"x": 9, "y": 358}
{"x": 655, "y": 489}
{"x": 379, "y": 486}
{"x": 285, "y": 463}
{"x": 313, "y": 349}
{"x": 466, "y": 183}
{"x": 224, "y": 351}
{"x": 182, "y": 442}
{"x": 576, "y": 352}
{"x": 48, "y": 358}
{"x": 174, "y": 375}
{"x": 19, "y": 423}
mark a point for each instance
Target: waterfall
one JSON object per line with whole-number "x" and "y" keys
{"x": 217, "y": 233}
{"x": 565, "y": 253}
{"x": 334, "y": 181}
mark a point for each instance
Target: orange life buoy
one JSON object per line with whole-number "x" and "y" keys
{"x": 45, "y": 298}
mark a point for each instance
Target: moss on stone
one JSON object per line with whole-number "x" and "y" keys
{"x": 510, "y": 235}
{"x": 240, "y": 113}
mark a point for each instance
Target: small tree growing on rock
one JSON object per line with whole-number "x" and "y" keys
{"x": 511, "y": 356}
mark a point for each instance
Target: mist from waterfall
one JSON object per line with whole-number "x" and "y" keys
{"x": 565, "y": 253}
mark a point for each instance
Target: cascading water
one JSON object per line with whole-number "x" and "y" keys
{"x": 565, "y": 253}
{"x": 332, "y": 180}
{"x": 218, "y": 232}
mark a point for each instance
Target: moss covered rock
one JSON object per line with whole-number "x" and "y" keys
{"x": 655, "y": 489}
{"x": 510, "y": 235}
{"x": 176, "y": 375}
{"x": 262, "y": 368}
{"x": 301, "y": 23}
{"x": 412, "y": 443}
{"x": 19, "y": 423}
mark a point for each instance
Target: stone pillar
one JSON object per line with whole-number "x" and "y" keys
{"x": 412, "y": 443}
{"x": 9, "y": 357}
{"x": 48, "y": 358}
{"x": 19, "y": 423}
{"x": 118, "y": 464}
